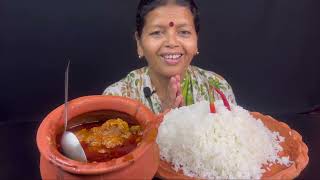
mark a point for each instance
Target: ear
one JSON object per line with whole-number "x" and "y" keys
{"x": 139, "y": 47}
{"x": 197, "y": 45}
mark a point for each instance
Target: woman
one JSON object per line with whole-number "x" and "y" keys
{"x": 166, "y": 36}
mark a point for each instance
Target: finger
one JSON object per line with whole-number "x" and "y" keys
{"x": 172, "y": 89}
{"x": 178, "y": 101}
{"x": 179, "y": 89}
{"x": 178, "y": 78}
{"x": 178, "y": 84}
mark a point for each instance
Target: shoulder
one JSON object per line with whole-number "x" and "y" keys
{"x": 137, "y": 73}
{"x": 213, "y": 79}
{"x": 208, "y": 75}
{"x": 125, "y": 85}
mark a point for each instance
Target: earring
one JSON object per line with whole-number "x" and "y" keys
{"x": 197, "y": 53}
{"x": 140, "y": 57}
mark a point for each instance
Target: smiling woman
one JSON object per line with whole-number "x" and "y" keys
{"x": 167, "y": 38}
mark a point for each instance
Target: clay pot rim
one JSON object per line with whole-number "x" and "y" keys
{"x": 48, "y": 149}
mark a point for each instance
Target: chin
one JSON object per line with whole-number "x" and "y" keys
{"x": 172, "y": 71}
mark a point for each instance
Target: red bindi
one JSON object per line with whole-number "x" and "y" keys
{"x": 171, "y": 24}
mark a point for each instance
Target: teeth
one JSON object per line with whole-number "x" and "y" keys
{"x": 172, "y": 56}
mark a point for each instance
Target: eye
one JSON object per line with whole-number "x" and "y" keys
{"x": 155, "y": 33}
{"x": 184, "y": 33}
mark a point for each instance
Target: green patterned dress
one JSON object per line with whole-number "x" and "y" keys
{"x": 195, "y": 87}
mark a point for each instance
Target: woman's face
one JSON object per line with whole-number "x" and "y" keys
{"x": 168, "y": 40}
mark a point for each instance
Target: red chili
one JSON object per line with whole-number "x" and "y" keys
{"x": 223, "y": 97}
{"x": 212, "y": 108}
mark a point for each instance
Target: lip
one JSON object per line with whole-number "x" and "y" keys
{"x": 171, "y": 61}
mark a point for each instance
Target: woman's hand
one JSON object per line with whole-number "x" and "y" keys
{"x": 174, "y": 96}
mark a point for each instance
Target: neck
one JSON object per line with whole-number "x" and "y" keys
{"x": 160, "y": 83}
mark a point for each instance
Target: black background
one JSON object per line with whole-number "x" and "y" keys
{"x": 268, "y": 50}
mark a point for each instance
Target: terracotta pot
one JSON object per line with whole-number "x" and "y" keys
{"x": 293, "y": 146}
{"x": 141, "y": 163}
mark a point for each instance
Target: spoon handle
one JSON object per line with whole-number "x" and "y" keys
{"x": 66, "y": 95}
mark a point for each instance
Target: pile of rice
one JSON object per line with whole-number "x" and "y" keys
{"x": 223, "y": 145}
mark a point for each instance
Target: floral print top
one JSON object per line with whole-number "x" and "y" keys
{"x": 195, "y": 87}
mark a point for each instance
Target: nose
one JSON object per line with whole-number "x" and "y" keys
{"x": 171, "y": 40}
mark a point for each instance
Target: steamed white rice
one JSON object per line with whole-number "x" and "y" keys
{"x": 223, "y": 145}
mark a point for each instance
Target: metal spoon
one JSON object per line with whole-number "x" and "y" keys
{"x": 70, "y": 144}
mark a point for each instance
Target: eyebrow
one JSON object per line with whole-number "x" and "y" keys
{"x": 177, "y": 25}
{"x": 157, "y": 26}
{"x": 184, "y": 25}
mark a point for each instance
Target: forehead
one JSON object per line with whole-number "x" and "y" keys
{"x": 169, "y": 13}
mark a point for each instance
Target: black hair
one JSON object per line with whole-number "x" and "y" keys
{"x": 145, "y": 6}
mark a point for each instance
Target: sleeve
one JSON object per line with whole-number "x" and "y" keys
{"x": 116, "y": 89}
{"x": 219, "y": 82}
{"x": 229, "y": 94}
